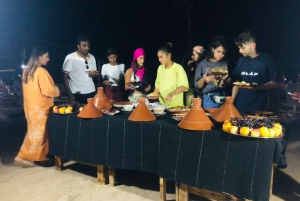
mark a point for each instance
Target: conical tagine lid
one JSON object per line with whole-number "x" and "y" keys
{"x": 196, "y": 119}
{"x": 226, "y": 111}
{"x": 141, "y": 112}
{"x": 101, "y": 101}
{"x": 90, "y": 110}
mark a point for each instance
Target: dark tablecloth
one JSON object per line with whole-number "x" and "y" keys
{"x": 213, "y": 160}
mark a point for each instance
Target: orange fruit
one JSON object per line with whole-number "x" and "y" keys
{"x": 234, "y": 129}
{"x": 277, "y": 131}
{"x": 62, "y": 110}
{"x": 227, "y": 127}
{"x": 227, "y": 121}
{"x": 244, "y": 131}
{"x": 264, "y": 131}
{"x": 271, "y": 132}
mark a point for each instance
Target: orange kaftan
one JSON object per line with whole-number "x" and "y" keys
{"x": 38, "y": 97}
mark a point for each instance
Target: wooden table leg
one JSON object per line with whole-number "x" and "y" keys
{"x": 101, "y": 174}
{"x": 271, "y": 184}
{"x": 59, "y": 163}
{"x": 162, "y": 189}
{"x": 183, "y": 192}
{"x": 111, "y": 174}
{"x": 176, "y": 191}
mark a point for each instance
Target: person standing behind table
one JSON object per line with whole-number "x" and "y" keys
{"x": 137, "y": 77}
{"x": 253, "y": 67}
{"x": 77, "y": 65}
{"x": 171, "y": 80}
{"x": 113, "y": 75}
{"x": 39, "y": 91}
{"x": 190, "y": 71}
{"x": 204, "y": 81}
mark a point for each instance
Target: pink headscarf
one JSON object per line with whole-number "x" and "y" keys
{"x": 140, "y": 71}
{"x": 199, "y": 49}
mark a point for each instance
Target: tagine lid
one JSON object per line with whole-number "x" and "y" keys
{"x": 90, "y": 110}
{"x": 101, "y": 101}
{"x": 196, "y": 119}
{"x": 226, "y": 111}
{"x": 141, "y": 112}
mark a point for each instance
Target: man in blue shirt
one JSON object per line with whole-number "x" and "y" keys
{"x": 254, "y": 68}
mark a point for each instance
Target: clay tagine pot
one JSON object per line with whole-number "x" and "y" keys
{"x": 196, "y": 119}
{"x": 226, "y": 111}
{"x": 101, "y": 101}
{"x": 141, "y": 112}
{"x": 90, "y": 110}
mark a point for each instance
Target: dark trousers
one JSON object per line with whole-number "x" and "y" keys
{"x": 82, "y": 98}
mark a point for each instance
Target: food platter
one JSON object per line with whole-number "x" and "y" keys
{"x": 123, "y": 110}
{"x": 245, "y": 85}
{"x": 265, "y": 114}
{"x": 153, "y": 96}
{"x": 65, "y": 113}
{"x": 280, "y": 136}
{"x": 181, "y": 109}
{"x": 121, "y": 104}
{"x": 110, "y": 111}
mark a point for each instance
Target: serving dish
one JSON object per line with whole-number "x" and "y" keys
{"x": 280, "y": 136}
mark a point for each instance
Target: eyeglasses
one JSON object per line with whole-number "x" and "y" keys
{"x": 87, "y": 65}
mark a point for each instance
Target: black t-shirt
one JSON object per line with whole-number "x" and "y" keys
{"x": 261, "y": 70}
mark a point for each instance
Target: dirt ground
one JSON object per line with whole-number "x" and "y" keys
{"x": 78, "y": 182}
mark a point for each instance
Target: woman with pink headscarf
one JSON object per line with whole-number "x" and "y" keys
{"x": 136, "y": 77}
{"x": 197, "y": 55}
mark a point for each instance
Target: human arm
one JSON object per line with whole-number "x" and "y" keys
{"x": 235, "y": 91}
{"x": 128, "y": 84}
{"x": 104, "y": 75}
{"x": 181, "y": 82}
{"x": 71, "y": 97}
{"x": 46, "y": 83}
{"x": 179, "y": 90}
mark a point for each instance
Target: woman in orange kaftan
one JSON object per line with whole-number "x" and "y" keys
{"x": 38, "y": 93}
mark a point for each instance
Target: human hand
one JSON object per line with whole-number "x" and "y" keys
{"x": 169, "y": 97}
{"x": 190, "y": 62}
{"x": 131, "y": 86}
{"x": 93, "y": 73}
{"x": 208, "y": 78}
{"x": 106, "y": 82}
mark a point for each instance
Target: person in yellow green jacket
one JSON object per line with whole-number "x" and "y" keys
{"x": 171, "y": 80}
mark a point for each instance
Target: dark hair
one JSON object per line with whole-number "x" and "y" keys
{"x": 246, "y": 36}
{"x": 136, "y": 67}
{"x": 33, "y": 63}
{"x": 215, "y": 43}
{"x": 82, "y": 38}
{"x": 166, "y": 48}
{"x": 111, "y": 52}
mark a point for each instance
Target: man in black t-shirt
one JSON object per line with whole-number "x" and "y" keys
{"x": 253, "y": 67}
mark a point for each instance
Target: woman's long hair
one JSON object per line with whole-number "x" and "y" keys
{"x": 33, "y": 63}
{"x": 136, "y": 66}
{"x": 217, "y": 42}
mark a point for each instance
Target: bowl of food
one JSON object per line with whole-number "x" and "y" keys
{"x": 158, "y": 110}
{"x": 128, "y": 107}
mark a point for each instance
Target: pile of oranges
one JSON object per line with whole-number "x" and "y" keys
{"x": 266, "y": 130}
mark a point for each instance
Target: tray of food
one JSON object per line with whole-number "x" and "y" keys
{"x": 153, "y": 96}
{"x": 121, "y": 104}
{"x": 265, "y": 114}
{"x": 179, "y": 109}
{"x": 218, "y": 72}
{"x": 68, "y": 108}
{"x": 253, "y": 127}
{"x": 110, "y": 111}
{"x": 245, "y": 85}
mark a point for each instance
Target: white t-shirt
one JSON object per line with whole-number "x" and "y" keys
{"x": 112, "y": 72}
{"x": 79, "y": 81}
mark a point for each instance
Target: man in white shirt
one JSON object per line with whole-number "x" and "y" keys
{"x": 76, "y": 68}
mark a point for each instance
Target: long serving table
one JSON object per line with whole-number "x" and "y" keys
{"x": 212, "y": 160}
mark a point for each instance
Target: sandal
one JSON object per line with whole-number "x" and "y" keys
{"x": 24, "y": 163}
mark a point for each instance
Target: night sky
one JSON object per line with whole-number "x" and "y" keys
{"x": 129, "y": 24}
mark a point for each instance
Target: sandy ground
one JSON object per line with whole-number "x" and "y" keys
{"x": 78, "y": 182}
